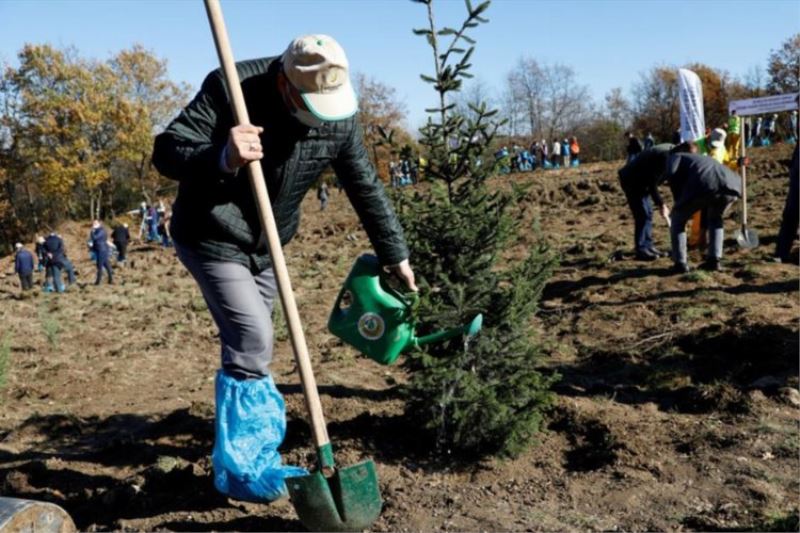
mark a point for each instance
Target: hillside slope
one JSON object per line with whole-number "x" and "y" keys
{"x": 677, "y": 409}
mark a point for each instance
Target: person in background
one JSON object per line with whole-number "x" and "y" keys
{"x": 634, "y": 147}
{"x": 23, "y": 266}
{"x": 556, "y": 153}
{"x": 639, "y": 180}
{"x": 789, "y": 220}
{"x": 676, "y": 137}
{"x": 792, "y": 125}
{"x": 649, "y": 142}
{"x": 769, "y": 129}
{"x": 152, "y": 224}
{"x": 303, "y": 112}
{"x": 120, "y": 236}
{"x": 574, "y": 151}
{"x": 545, "y": 153}
{"x": 699, "y": 182}
{"x": 143, "y": 225}
{"x": 322, "y": 195}
{"x": 756, "y": 133}
{"x": 55, "y": 262}
{"x": 102, "y": 252}
{"x": 715, "y": 143}
{"x": 163, "y": 230}
{"x": 734, "y": 135}
{"x": 40, "y": 259}
{"x": 565, "y": 152}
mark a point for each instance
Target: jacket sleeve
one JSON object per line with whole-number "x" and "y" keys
{"x": 368, "y": 197}
{"x": 191, "y": 146}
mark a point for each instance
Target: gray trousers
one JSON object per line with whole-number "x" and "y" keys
{"x": 241, "y": 305}
{"x": 715, "y": 207}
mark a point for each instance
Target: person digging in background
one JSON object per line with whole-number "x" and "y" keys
{"x": 302, "y": 107}
{"x": 699, "y": 182}
{"x": 23, "y": 266}
{"x": 639, "y": 180}
{"x": 634, "y": 147}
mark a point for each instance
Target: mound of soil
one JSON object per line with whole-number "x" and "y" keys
{"x": 677, "y": 407}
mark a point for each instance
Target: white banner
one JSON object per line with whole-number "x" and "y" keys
{"x": 693, "y": 123}
{"x": 765, "y": 104}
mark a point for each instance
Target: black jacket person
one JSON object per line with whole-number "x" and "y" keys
{"x": 302, "y": 107}
{"x": 700, "y": 182}
{"x": 639, "y": 180}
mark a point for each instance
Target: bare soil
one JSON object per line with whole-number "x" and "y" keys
{"x": 677, "y": 408}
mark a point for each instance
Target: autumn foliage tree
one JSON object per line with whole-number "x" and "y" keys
{"x": 77, "y": 134}
{"x": 784, "y": 67}
{"x": 380, "y": 111}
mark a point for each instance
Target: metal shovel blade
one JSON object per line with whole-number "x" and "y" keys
{"x": 350, "y": 500}
{"x": 746, "y": 238}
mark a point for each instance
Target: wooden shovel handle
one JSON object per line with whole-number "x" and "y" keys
{"x": 267, "y": 219}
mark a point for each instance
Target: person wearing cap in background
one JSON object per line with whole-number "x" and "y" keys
{"x": 23, "y": 266}
{"x": 39, "y": 249}
{"x": 716, "y": 145}
{"x": 302, "y": 109}
{"x": 102, "y": 252}
{"x": 702, "y": 183}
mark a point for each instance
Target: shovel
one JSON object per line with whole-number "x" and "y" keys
{"x": 746, "y": 238}
{"x": 330, "y": 499}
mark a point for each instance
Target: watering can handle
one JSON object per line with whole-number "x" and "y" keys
{"x": 267, "y": 219}
{"x": 409, "y": 298}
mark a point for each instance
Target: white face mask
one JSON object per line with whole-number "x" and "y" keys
{"x": 308, "y": 118}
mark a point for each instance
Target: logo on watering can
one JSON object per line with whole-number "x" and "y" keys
{"x": 371, "y": 326}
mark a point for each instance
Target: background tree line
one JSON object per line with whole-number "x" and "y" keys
{"x": 76, "y": 134}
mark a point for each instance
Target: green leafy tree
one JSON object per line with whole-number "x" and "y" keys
{"x": 487, "y": 396}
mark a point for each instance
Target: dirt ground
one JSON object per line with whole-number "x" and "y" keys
{"x": 678, "y": 407}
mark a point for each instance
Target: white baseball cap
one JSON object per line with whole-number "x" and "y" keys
{"x": 717, "y": 138}
{"x": 317, "y": 66}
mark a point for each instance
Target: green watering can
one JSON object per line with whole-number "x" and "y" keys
{"x": 377, "y": 320}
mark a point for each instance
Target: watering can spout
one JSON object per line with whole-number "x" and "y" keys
{"x": 468, "y": 330}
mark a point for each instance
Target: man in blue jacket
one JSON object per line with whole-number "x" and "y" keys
{"x": 102, "y": 252}
{"x": 302, "y": 107}
{"x": 23, "y": 267}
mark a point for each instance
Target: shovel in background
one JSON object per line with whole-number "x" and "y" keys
{"x": 330, "y": 499}
{"x": 746, "y": 238}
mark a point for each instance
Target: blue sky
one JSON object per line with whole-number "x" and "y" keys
{"x": 608, "y": 42}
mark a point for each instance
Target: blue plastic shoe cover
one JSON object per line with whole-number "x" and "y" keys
{"x": 250, "y": 425}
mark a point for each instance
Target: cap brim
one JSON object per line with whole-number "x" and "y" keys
{"x": 334, "y": 105}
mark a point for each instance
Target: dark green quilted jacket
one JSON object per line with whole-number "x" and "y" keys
{"x": 215, "y": 213}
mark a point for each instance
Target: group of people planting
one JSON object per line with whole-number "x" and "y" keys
{"x": 701, "y": 175}
{"x": 50, "y": 256}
